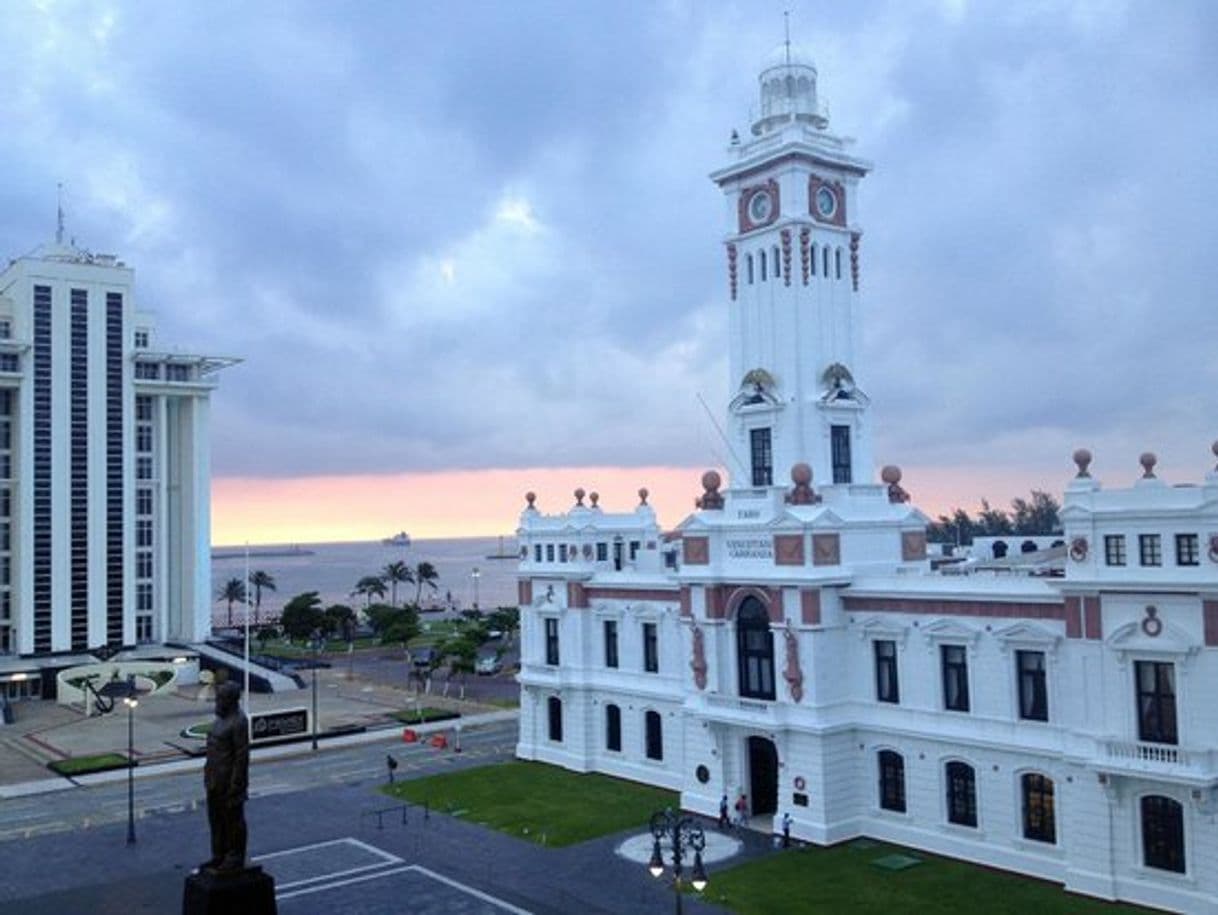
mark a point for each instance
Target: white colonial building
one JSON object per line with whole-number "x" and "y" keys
{"x": 789, "y": 641}
{"x": 104, "y": 471}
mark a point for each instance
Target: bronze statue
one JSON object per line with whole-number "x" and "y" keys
{"x": 226, "y": 778}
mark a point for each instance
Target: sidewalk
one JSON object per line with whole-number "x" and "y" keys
{"x": 46, "y": 731}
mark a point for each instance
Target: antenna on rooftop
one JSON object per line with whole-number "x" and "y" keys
{"x": 59, "y": 213}
{"x": 739, "y": 464}
{"x": 786, "y": 24}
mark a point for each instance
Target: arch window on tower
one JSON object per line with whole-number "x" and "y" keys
{"x": 748, "y": 268}
{"x": 824, "y": 261}
{"x": 777, "y": 262}
{"x": 837, "y": 263}
{"x": 761, "y": 257}
{"x": 754, "y": 650}
{"x": 814, "y": 258}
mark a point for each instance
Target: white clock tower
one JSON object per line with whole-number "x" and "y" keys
{"x": 793, "y": 272}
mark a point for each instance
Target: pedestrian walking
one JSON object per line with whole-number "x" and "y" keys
{"x": 786, "y": 830}
{"x": 742, "y": 809}
{"x": 723, "y": 820}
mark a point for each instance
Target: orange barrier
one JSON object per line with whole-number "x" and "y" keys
{"x": 439, "y": 741}
{"x": 409, "y": 735}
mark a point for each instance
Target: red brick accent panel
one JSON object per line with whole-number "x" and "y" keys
{"x": 788, "y": 549}
{"x": 687, "y": 608}
{"x": 809, "y": 606}
{"x": 1074, "y": 617}
{"x": 577, "y": 597}
{"x": 957, "y": 608}
{"x": 591, "y": 594}
{"x": 1209, "y": 611}
{"x": 913, "y": 546}
{"x": 826, "y": 549}
{"x": 716, "y": 602}
{"x": 696, "y": 550}
{"x": 722, "y": 600}
{"x": 1092, "y": 624}
{"x": 524, "y": 591}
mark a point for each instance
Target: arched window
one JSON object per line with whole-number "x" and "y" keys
{"x": 777, "y": 263}
{"x": 1039, "y": 821}
{"x": 824, "y": 261}
{"x": 961, "y": 794}
{"x": 748, "y": 268}
{"x": 1162, "y": 833}
{"x": 554, "y": 709}
{"x": 814, "y": 259}
{"x": 837, "y": 263}
{"x": 1000, "y": 549}
{"x": 655, "y": 735}
{"x": 613, "y": 728}
{"x": 754, "y": 650}
{"x": 892, "y": 780}
{"x": 1028, "y": 546}
{"x": 761, "y": 257}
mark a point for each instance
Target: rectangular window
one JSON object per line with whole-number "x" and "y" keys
{"x": 610, "y": 643}
{"x": 177, "y": 373}
{"x": 143, "y": 408}
{"x": 1114, "y": 549}
{"x": 651, "y": 649}
{"x": 613, "y": 728}
{"x": 839, "y": 441}
{"x": 1033, "y": 694}
{"x": 602, "y": 552}
{"x": 1156, "y": 687}
{"x": 6, "y": 328}
{"x": 10, "y": 362}
{"x": 143, "y": 438}
{"x": 955, "y": 677}
{"x": 1187, "y": 553}
{"x": 552, "y": 641}
{"x": 887, "y": 688}
{"x": 143, "y": 532}
{"x": 1163, "y": 833}
{"x": 562, "y": 552}
{"x": 1039, "y": 818}
{"x": 143, "y": 628}
{"x": 1150, "y": 550}
{"x": 141, "y": 339}
{"x": 148, "y": 371}
{"x": 961, "y": 794}
{"x": 655, "y": 735}
{"x": 143, "y": 564}
{"x": 634, "y": 550}
{"x": 143, "y": 468}
{"x": 554, "y": 712}
{"x": 892, "y": 781}
{"x": 763, "y": 457}
{"x": 143, "y": 596}
{"x": 549, "y": 552}
{"x": 143, "y": 501}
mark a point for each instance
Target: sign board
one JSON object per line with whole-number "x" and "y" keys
{"x": 283, "y": 724}
{"x": 750, "y": 548}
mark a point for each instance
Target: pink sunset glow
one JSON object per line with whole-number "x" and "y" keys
{"x": 488, "y": 502}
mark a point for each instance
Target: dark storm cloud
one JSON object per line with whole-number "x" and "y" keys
{"x": 482, "y": 236}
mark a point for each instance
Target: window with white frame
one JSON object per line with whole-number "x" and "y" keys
{"x": 954, "y": 661}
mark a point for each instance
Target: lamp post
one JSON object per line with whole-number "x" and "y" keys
{"x": 131, "y": 702}
{"x": 475, "y": 575}
{"x": 316, "y": 639}
{"x": 684, "y": 832}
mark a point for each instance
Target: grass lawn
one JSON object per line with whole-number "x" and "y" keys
{"x": 423, "y": 715}
{"x": 844, "y": 879}
{"x": 80, "y": 765}
{"x": 545, "y": 804}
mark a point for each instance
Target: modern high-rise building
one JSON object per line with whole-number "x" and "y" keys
{"x": 792, "y": 642}
{"x": 104, "y": 469}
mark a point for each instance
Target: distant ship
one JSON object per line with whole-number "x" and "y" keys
{"x": 501, "y": 554}
{"x": 401, "y": 538}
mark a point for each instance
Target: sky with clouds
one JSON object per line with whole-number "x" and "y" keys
{"x": 480, "y": 237}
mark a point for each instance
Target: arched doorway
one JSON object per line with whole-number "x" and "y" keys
{"x": 763, "y": 776}
{"x": 754, "y": 650}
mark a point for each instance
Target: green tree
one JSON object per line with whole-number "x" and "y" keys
{"x": 379, "y": 617}
{"x": 505, "y": 619}
{"x": 302, "y": 615}
{"x": 1038, "y": 516}
{"x": 393, "y": 574}
{"x": 232, "y": 591}
{"x": 265, "y": 634}
{"x": 424, "y": 574}
{"x": 368, "y": 587}
{"x": 340, "y": 619}
{"x": 402, "y": 627}
{"x": 260, "y": 580}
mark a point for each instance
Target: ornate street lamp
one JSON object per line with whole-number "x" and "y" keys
{"x": 684, "y": 832}
{"x": 131, "y": 702}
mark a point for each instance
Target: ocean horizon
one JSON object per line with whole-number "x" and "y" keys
{"x": 332, "y": 570}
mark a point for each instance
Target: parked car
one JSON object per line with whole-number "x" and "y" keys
{"x": 488, "y": 665}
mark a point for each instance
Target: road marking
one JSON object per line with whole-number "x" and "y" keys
{"x": 371, "y": 849}
{"x": 448, "y": 881}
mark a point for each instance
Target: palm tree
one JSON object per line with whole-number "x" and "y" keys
{"x": 424, "y": 574}
{"x": 260, "y": 580}
{"x": 232, "y": 591}
{"x": 368, "y": 586}
{"x": 394, "y": 573}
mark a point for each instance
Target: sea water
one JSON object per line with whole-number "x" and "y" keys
{"x": 332, "y": 570}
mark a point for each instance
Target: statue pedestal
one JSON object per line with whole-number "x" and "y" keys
{"x": 248, "y": 891}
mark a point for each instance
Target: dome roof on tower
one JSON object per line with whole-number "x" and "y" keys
{"x": 800, "y": 56}
{"x": 788, "y": 91}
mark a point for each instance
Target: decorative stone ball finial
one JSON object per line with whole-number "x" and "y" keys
{"x": 891, "y": 475}
{"x": 1082, "y": 460}
{"x": 1148, "y": 461}
{"x": 579, "y": 496}
{"x": 801, "y": 476}
{"x": 594, "y": 497}
{"x": 531, "y": 497}
{"x": 710, "y": 498}
{"x": 643, "y": 494}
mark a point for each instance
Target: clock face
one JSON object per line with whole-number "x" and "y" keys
{"x": 826, "y": 202}
{"x": 761, "y": 207}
